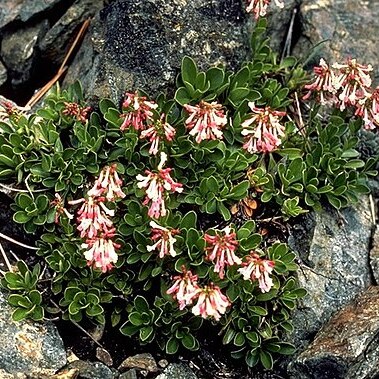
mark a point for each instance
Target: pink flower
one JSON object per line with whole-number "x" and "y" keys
{"x": 211, "y": 302}
{"x": 76, "y": 111}
{"x": 164, "y": 238}
{"x": 160, "y": 129}
{"x": 354, "y": 80}
{"x": 206, "y": 120}
{"x": 101, "y": 251}
{"x": 256, "y": 268}
{"x": 184, "y": 288}
{"x": 324, "y": 84}
{"x": 368, "y": 109}
{"x": 262, "y": 129}
{"x": 60, "y": 209}
{"x": 108, "y": 183}
{"x": 157, "y": 185}
{"x": 221, "y": 247}
{"x": 93, "y": 217}
{"x": 138, "y": 111}
{"x": 259, "y": 7}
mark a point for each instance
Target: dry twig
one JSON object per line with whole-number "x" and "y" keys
{"x": 62, "y": 69}
{"x": 17, "y": 243}
{"x": 6, "y": 260}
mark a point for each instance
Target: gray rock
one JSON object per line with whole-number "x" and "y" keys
{"x": 3, "y": 74}
{"x": 28, "y": 348}
{"x": 177, "y": 371}
{"x": 6, "y": 375}
{"x": 140, "y": 43}
{"x": 349, "y": 27}
{"x": 130, "y": 374}
{"x": 104, "y": 356}
{"x": 374, "y": 254}
{"x": 334, "y": 251}
{"x": 58, "y": 39}
{"x": 19, "y": 53}
{"x": 91, "y": 370}
{"x": 278, "y": 25}
{"x": 23, "y": 10}
{"x": 347, "y": 347}
{"x": 143, "y": 361}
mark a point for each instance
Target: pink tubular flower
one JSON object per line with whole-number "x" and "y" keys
{"x": 138, "y": 111}
{"x": 184, "y": 288}
{"x": 108, "y": 184}
{"x": 157, "y": 185}
{"x": 211, "y": 302}
{"x": 164, "y": 240}
{"x": 60, "y": 209}
{"x": 259, "y": 7}
{"x": 101, "y": 251}
{"x": 221, "y": 247}
{"x": 324, "y": 84}
{"x": 262, "y": 130}
{"x": 93, "y": 217}
{"x": 256, "y": 268}
{"x": 206, "y": 120}
{"x": 353, "y": 81}
{"x": 157, "y": 131}
{"x": 368, "y": 109}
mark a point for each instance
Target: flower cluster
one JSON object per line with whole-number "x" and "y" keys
{"x": 205, "y": 120}
{"x": 221, "y": 248}
{"x": 94, "y": 222}
{"x": 257, "y": 268}
{"x": 347, "y": 85}
{"x": 138, "y": 111}
{"x": 108, "y": 183}
{"x": 211, "y": 302}
{"x": 58, "y": 204}
{"x": 259, "y": 7}
{"x": 184, "y": 288}
{"x": 76, "y": 111}
{"x": 262, "y": 130}
{"x": 157, "y": 185}
{"x": 164, "y": 239}
{"x": 158, "y": 130}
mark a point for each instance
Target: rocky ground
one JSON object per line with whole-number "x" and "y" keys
{"x": 139, "y": 43}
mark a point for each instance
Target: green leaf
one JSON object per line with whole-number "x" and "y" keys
{"x": 239, "y": 339}
{"x": 7, "y": 161}
{"x": 105, "y": 104}
{"x": 189, "y": 221}
{"x": 238, "y": 94}
{"x": 189, "y": 341}
{"x": 19, "y": 314}
{"x": 228, "y": 337}
{"x": 252, "y": 357}
{"x": 172, "y": 346}
{"x": 23, "y": 200}
{"x": 258, "y": 310}
{"x": 145, "y": 333}
{"x": 266, "y": 359}
{"x": 141, "y": 304}
{"x": 225, "y": 213}
{"x": 215, "y": 77}
{"x": 35, "y": 297}
{"x": 286, "y": 348}
{"x": 21, "y": 217}
{"x": 135, "y": 318}
{"x": 182, "y": 96}
{"x": 189, "y": 70}
{"x": 239, "y": 191}
{"x": 129, "y": 329}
